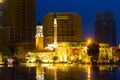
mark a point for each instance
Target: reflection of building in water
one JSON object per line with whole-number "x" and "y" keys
{"x": 39, "y": 73}
{"x": 55, "y": 73}
{"x": 89, "y": 73}
{"x": 51, "y": 73}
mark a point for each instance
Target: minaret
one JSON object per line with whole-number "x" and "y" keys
{"x": 55, "y": 29}
{"x": 39, "y": 37}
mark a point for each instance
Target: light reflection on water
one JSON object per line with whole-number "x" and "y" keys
{"x": 60, "y": 72}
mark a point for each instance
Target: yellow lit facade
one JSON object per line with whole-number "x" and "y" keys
{"x": 66, "y": 52}
{"x": 1, "y": 0}
{"x": 72, "y": 51}
{"x": 39, "y": 37}
{"x": 69, "y": 27}
{"x": 55, "y": 30}
{"x": 105, "y": 53}
{"x": 39, "y": 43}
{"x": 45, "y": 56}
{"x": 75, "y": 52}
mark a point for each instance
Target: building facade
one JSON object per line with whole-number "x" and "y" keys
{"x": 1, "y": 3}
{"x": 39, "y": 37}
{"x": 105, "y": 30}
{"x": 75, "y": 52}
{"x": 69, "y": 27}
{"x": 19, "y": 21}
{"x": 1, "y": 33}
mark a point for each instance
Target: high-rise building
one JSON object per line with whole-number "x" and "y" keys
{"x": 1, "y": 3}
{"x": 19, "y": 21}
{"x": 105, "y": 30}
{"x": 69, "y": 27}
{"x": 1, "y": 28}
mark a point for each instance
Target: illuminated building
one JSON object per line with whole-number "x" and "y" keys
{"x": 72, "y": 51}
{"x": 69, "y": 27}
{"x": 1, "y": 4}
{"x": 105, "y": 53}
{"x": 76, "y": 51}
{"x": 105, "y": 30}
{"x": 55, "y": 29}
{"x": 40, "y": 73}
{"x": 19, "y": 19}
{"x": 39, "y": 37}
{"x": 66, "y": 51}
{"x": 1, "y": 28}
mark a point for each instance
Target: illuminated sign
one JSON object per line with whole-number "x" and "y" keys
{"x": 62, "y": 17}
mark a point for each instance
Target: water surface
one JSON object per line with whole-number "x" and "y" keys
{"x": 60, "y": 72}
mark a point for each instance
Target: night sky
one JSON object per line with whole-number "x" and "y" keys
{"x": 85, "y": 8}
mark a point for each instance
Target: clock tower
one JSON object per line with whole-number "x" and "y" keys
{"x": 39, "y": 37}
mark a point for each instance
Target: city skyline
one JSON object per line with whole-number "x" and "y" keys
{"x": 86, "y": 9}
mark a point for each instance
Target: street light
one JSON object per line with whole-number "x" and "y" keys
{"x": 89, "y": 41}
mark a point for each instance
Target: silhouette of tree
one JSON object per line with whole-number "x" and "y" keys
{"x": 6, "y": 51}
{"x": 117, "y": 53}
{"x": 93, "y": 51}
{"x": 55, "y": 58}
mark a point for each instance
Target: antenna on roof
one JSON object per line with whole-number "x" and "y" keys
{"x": 55, "y": 14}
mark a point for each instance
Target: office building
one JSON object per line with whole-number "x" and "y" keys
{"x": 69, "y": 27}
{"x": 19, "y": 21}
{"x": 1, "y": 3}
{"x": 105, "y": 29}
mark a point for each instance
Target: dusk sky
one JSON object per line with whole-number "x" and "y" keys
{"x": 85, "y": 8}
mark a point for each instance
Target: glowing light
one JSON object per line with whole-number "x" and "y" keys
{"x": 40, "y": 73}
{"x": 1, "y": 0}
{"x": 32, "y": 60}
{"x": 52, "y": 45}
{"x": 49, "y": 48}
{"x": 61, "y": 58}
{"x": 55, "y": 30}
{"x": 89, "y": 41}
{"x": 89, "y": 73}
{"x": 55, "y": 22}
{"x": 65, "y": 58}
{"x": 31, "y": 64}
{"x": 62, "y": 17}
{"x": 45, "y": 60}
{"x": 10, "y": 61}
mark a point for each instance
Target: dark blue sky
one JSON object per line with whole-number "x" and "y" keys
{"x": 85, "y": 8}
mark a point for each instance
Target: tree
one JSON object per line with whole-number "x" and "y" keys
{"x": 55, "y": 58}
{"x": 93, "y": 51}
{"x": 6, "y": 51}
{"x": 117, "y": 53}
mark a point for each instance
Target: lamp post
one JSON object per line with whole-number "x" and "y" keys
{"x": 89, "y": 41}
